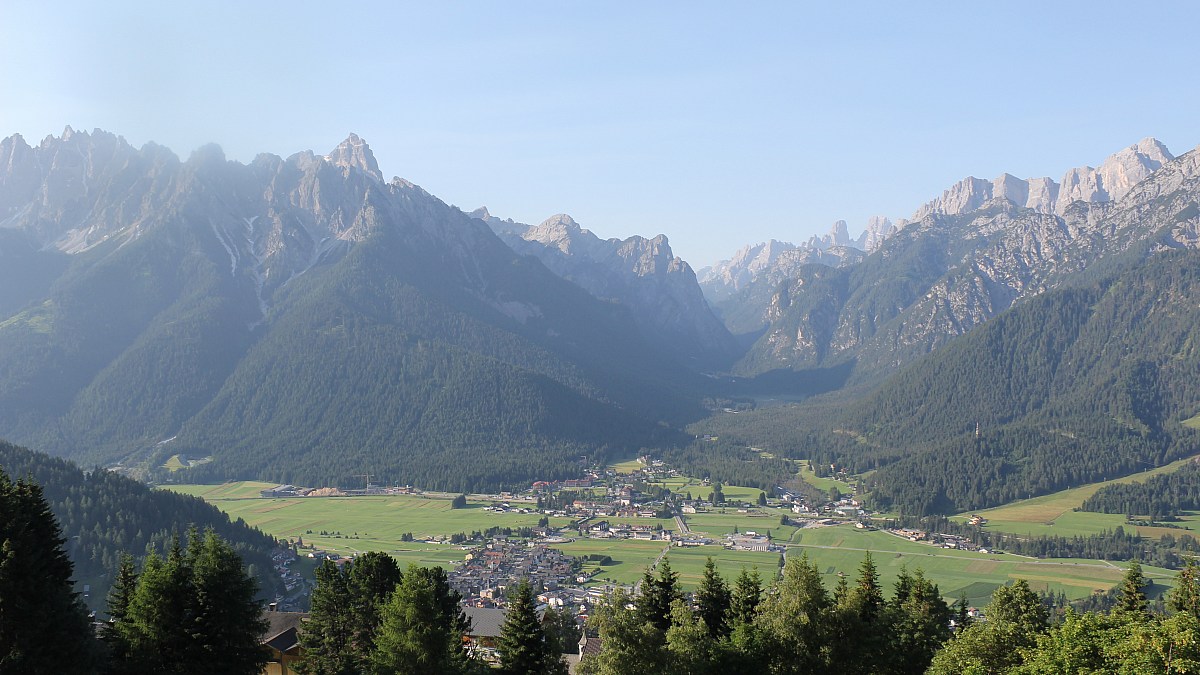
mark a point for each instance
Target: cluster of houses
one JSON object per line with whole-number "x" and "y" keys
{"x": 282, "y": 560}
{"x": 947, "y": 541}
{"x": 488, "y": 571}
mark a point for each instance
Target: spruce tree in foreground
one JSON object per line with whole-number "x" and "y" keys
{"x": 422, "y": 627}
{"x": 713, "y": 600}
{"x": 190, "y": 608}
{"x": 523, "y": 647}
{"x": 44, "y": 628}
{"x": 327, "y": 637}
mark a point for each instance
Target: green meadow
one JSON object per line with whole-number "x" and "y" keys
{"x": 842, "y": 548}
{"x": 353, "y": 524}
{"x": 809, "y": 476}
{"x": 377, "y": 523}
{"x": 1055, "y": 514}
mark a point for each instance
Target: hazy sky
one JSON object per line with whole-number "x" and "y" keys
{"x": 718, "y": 124}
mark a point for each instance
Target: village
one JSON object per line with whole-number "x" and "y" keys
{"x": 600, "y": 505}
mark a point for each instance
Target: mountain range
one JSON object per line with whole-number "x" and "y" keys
{"x": 305, "y": 320}
{"x": 963, "y": 258}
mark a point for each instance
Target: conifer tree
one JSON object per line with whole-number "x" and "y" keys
{"x": 746, "y": 597}
{"x": 422, "y": 627}
{"x": 713, "y": 599}
{"x": 654, "y": 604}
{"x": 373, "y": 577}
{"x": 1185, "y": 597}
{"x": 44, "y": 627}
{"x": 867, "y": 595}
{"x": 120, "y": 594}
{"x": 327, "y": 637}
{"x": 796, "y": 620}
{"x": 193, "y": 607}
{"x": 1133, "y": 596}
{"x": 227, "y": 620}
{"x": 523, "y": 647}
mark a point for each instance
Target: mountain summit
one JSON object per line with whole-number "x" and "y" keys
{"x": 302, "y": 321}
{"x": 354, "y": 152}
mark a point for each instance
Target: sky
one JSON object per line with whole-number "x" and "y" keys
{"x": 717, "y": 124}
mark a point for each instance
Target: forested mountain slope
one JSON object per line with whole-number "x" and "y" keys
{"x": 1074, "y": 386}
{"x": 300, "y": 319}
{"x": 980, "y": 249}
{"x": 104, "y": 514}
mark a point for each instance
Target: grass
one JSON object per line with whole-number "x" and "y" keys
{"x": 842, "y": 548}
{"x": 1192, "y": 423}
{"x": 174, "y": 463}
{"x": 376, "y": 523}
{"x": 631, "y": 466}
{"x": 631, "y": 558}
{"x": 351, "y": 524}
{"x": 823, "y": 484}
{"x": 717, "y": 524}
{"x": 1055, "y": 513}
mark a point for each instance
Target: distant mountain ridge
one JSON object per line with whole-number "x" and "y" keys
{"x": 300, "y": 320}
{"x": 971, "y": 254}
{"x": 643, "y": 274}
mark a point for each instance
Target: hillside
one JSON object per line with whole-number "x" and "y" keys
{"x": 1072, "y": 387}
{"x": 981, "y": 248}
{"x": 301, "y": 320}
{"x": 104, "y": 514}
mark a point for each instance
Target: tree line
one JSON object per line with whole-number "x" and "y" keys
{"x": 103, "y": 514}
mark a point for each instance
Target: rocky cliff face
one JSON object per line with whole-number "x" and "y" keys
{"x": 976, "y": 251}
{"x": 1115, "y": 177}
{"x": 642, "y": 274}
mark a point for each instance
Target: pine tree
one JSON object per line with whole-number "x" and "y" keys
{"x": 920, "y": 624}
{"x": 654, "y": 603}
{"x": 1133, "y": 594}
{"x": 797, "y": 620}
{"x": 1185, "y": 597}
{"x": 327, "y": 637}
{"x": 562, "y": 631}
{"x": 422, "y": 627}
{"x": 193, "y": 607}
{"x": 120, "y": 594}
{"x": 867, "y": 595}
{"x": 523, "y": 647}
{"x": 372, "y": 579}
{"x": 747, "y": 595}
{"x": 228, "y": 623}
{"x": 713, "y": 599}
{"x": 44, "y": 627}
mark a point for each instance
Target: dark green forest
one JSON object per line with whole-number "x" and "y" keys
{"x": 104, "y": 514}
{"x": 1074, "y": 386}
{"x": 1158, "y": 498}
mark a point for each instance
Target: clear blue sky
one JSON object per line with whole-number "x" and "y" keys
{"x": 718, "y": 124}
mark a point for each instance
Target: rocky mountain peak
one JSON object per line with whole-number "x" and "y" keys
{"x": 878, "y": 229}
{"x": 1111, "y": 181}
{"x": 354, "y": 152}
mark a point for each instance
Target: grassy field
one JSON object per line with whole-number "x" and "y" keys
{"x": 809, "y": 476}
{"x": 352, "y": 524}
{"x": 841, "y": 549}
{"x": 1192, "y": 423}
{"x": 631, "y": 466}
{"x": 631, "y": 558}
{"x": 717, "y": 524}
{"x": 376, "y": 523}
{"x": 1054, "y": 513}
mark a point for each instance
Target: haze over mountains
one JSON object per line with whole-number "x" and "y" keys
{"x": 305, "y": 320}
{"x": 963, "y": 257}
